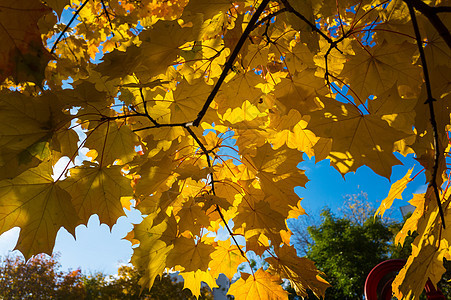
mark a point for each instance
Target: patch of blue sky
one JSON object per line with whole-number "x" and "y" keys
{"x": 65, "y": 18}
{"x": 328, "y": 188}
{"x": 368, "y": 37}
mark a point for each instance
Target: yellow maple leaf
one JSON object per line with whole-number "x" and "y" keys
{"x": 277, "y": 175}
{"x": 357, "y": 138}
{"x": 193, "y": 281}
{"x": 27, "y": 125}
{"x": 150, "y": 256}
{"x": 39, "y": 206}
{"x": 225, "y": 259}
{"x": 260, "y": 285}
{"x": 260, "y": 217}
{"x": 192, "y": 217}
{"x": 239, "y": 89}
{"x": 98, "y": 190}
{"x": 158, "y": 50}
{"x": 396, "y": 190}
{"x": 114, "y": 142}
{"x": 299, "y": 92}
{"x": 301, "y": 272}
{"x": 372, "y": 70}
{"x": 190, "y": 255}
{"x": 410, "y": 225}
{"x": 428, "y": 250}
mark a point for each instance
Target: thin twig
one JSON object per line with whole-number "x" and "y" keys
{"x": 107, "y": 15}
{"x": 303, "y": 18}
{"x": 154, "y": 122}
{"x": 430, "y": 101}
{"x": 230, "y": 61}
{"x": 184, "y": 125}
{"x": 67, "y": 26}
{"x": 270, "y": 16}
{"x": 218, "y": 209}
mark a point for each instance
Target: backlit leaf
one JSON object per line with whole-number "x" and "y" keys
{"x": 260, "y": 285}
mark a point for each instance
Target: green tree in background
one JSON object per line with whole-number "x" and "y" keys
{"x": 348, "y": 246}
{"x": 347, "y": 251}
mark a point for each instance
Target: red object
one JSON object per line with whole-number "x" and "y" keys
{"x": 379, "y": 280}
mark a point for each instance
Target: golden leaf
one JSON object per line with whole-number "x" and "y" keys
{"x": 396, "y": 190}
{"x": 39, "y": 206}
{"x": 260, "y": 285}
{"x": 98, "y": 190}
{"x": 225, "y": 259}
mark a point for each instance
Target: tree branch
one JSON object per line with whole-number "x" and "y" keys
{"x": 431, "y": 14}
{"x": 303, "y": 18}
{"x": 67, "y": 26}
{"x": 218, "y": 209}
{"x": 107, "y": 14}
{"x": 430, "y": 101}
{"x": 230, "y": 61}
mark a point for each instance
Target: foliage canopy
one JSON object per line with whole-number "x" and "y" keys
{"x": 40, "y": 278}
{"x": 351, "y": 81}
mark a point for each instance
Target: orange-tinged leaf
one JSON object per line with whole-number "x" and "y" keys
{"x": 39, "y": 206}
{"x": 260, "y": 285}
{"x": 396, "y": 190}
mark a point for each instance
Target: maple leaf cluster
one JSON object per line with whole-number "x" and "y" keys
{"x": 198, "y": 112}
